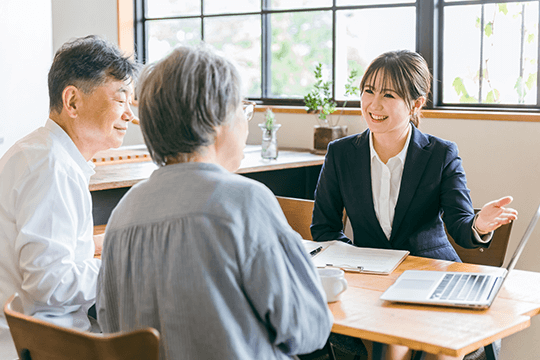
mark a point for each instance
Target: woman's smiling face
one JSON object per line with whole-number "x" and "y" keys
{"x": 382, "y": 108}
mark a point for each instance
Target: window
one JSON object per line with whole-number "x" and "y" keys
{"x": 482, "y": 54}
{"x": 490, "y": 53}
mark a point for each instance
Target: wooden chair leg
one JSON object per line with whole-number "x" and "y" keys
{"x": 326, "y": 351}
{"x": 490, "y": 352}
{"x": 328, "y": 348}
{"x": 489, "y": 349}
{"x": 379, "y": 351}
{"x": 25, "y": 354}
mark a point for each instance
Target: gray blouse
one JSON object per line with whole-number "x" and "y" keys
{"x": 207, "y": 258}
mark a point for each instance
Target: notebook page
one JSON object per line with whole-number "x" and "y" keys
{"x": 340, "y": 254}
{"x": 311, "y": 245}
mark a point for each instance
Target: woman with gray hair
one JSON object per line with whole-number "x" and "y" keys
{"x": 203, "y": 255}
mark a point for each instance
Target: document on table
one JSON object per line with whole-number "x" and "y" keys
{"x": 352, "y": 258}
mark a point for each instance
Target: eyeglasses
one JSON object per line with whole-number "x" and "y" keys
{"x": 248, "y": 107}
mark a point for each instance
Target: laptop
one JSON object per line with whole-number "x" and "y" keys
{"x": 457, "y": 289}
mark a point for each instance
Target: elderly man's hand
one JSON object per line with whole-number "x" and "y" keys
{"x": 495, "y": 214}
{"x": 98, "y": 242}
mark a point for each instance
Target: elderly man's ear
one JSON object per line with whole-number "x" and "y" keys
{"x": 71, "y": 99}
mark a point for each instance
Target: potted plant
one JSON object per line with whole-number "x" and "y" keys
{"x": 320, "y": 102}
{"x": 269, "y": 148}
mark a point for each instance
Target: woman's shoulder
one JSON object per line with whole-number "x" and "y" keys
{"x": 430, "y": 140}
{"x": 351, "y": 140}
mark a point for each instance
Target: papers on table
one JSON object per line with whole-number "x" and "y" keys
{"x": 352, "y": 258}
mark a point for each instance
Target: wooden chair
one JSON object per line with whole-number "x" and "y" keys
{"x": 493, "y": 256}
{"x": 39, "y": 340}
{"x": 298, "y": 213}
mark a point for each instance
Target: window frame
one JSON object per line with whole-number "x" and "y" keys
{"x": 429, "y": 43}
{"x": 438, "y": 60}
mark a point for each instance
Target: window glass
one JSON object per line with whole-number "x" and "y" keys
{"x": 489, "y": 50}
{"x": 228, "y": 7}
{"x": 164, "y": 35}
{"x": 298, "y": 4}
{"x": 168, "y": 8}
{"x": 300, "y": 40}
{"x": 491, "y": 54}
{"x": 239, "y": 38}
{"x": 359, "y": 34}
{"x": 370, "y": 2}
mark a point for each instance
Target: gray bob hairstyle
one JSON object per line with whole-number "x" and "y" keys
{"x": 183, "y": 98}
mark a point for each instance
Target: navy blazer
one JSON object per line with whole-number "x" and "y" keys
{"x": 433, "y": 189}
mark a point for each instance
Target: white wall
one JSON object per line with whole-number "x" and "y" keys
{"x": 75, "y": 18}
{"x": 25, "y": 56}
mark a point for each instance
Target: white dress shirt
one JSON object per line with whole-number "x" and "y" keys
{"x": 386, "y": 182}
{"x": 46, "y": 228}
{"x": 385, "y": 185}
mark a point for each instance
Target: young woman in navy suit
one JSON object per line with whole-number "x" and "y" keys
{"x": 397, "y": 184}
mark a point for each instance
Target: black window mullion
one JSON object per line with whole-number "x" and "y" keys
{"x": 481, "y": 65}
{"x": 202, "y": 20}
{"x": 426, "y": 39}
{"x": 140, "y": 30}
{"x": 438, "y": 52}
{"x": 266, "y": 42}
{"x": 334, "y": 17}
{"x": 538, "y": 65}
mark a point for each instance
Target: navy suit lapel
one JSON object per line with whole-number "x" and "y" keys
{"x": 361, "y": 168}
{"x": 417, "y": 158}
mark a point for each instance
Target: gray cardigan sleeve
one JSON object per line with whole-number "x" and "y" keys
{"x": 283, "y": 286}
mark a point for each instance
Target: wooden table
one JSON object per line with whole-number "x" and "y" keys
{"x": 294, "y": 173}
{"x": 438, "y": 330}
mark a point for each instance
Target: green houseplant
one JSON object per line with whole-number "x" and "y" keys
{"x": 320, "y": 102}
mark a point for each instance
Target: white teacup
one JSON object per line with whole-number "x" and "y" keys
{"x": 333, "y": 282}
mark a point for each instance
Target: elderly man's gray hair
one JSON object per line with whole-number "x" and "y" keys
{"x": 183, "y": 98}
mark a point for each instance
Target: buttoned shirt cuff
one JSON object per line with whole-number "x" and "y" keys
{"x": 481, "y": 238}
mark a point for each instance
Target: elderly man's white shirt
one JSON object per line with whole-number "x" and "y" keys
{"x": 46, "y": 228}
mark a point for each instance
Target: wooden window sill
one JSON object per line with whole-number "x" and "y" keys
{"x": 441, "y": 114}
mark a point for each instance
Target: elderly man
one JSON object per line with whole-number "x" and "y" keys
{"x": 46, "y": 226}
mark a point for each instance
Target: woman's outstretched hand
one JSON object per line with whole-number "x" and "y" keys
{"x": 495, "y": 214}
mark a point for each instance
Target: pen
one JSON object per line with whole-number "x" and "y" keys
{"x": 347, "y": 267}
{"x": 316, "y": 251}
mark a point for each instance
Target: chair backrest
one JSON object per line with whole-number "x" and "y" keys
{"x": 39, "y": 340}
{"x": 494, "y": 255}
{"x": 299, "y": 213}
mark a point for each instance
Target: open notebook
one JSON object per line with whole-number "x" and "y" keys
{"x": 352, "y": 258}
{"x": 459, "y": 289}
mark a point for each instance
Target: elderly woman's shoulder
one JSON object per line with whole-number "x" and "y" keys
{"x": 240, "y": 184}
{"x": 244, "y": 197}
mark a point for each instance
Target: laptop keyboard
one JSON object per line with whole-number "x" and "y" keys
{"x": 465, "y": 286}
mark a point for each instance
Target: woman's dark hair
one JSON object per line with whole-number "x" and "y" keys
{"x": 87, "y": 63}
{"x": 183, "y": 98}
{"x": 404, "y": 71}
